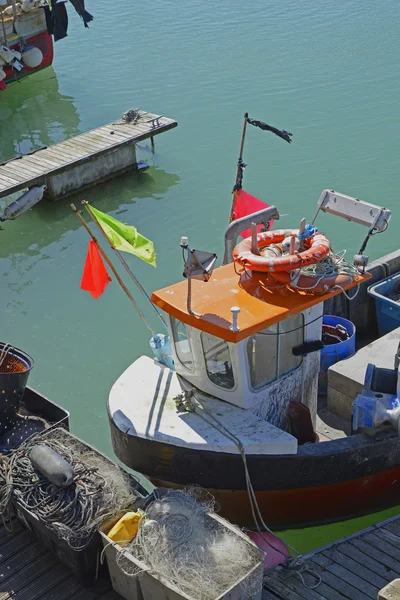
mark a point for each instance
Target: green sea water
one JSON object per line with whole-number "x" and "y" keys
{"x": 326, "y": 71}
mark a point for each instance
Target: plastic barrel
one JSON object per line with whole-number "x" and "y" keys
{"x": 14, "y": 372}
{"x": 335, "y": 352}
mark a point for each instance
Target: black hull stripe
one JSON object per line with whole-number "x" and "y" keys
{"x": 318, "y": 464}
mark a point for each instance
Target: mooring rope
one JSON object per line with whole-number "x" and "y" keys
{"x": 295, "y": 563}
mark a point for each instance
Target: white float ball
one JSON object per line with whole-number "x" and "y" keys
{"x": 32, "y": 57}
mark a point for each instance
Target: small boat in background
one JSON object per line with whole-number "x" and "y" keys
{"x": 27, "y": 31}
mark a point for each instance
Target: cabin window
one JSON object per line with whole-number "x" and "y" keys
{"x": 218, "y": 361}
{"x": 181, "y": 343}
{"x": 270, "y": 351}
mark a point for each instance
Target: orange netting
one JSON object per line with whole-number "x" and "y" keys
{"x": 10, "y": 364}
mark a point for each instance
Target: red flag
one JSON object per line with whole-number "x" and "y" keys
{"x": 94, "y": 277}
{"x": 244, "y": 205}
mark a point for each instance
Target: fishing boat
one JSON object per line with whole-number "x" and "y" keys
{"x": 27, "y": 31}
{"x": 232, "y": 405}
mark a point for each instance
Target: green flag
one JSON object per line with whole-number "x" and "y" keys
{"x": 125, "y": 237}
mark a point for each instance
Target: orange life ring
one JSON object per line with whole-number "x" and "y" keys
{"x": 317, "y": 247}
{"x": 313, "y": 284}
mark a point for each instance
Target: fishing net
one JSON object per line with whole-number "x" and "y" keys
{"x": 99, "y": 491}
{"x": 181, "y": 543}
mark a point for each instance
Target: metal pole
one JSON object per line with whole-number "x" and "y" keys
{"x": 4, "y": 28}
{"x": 124, "y": 263}
{"x": 254, "y": 243}
{"x": 113, "y": 269}
{"x": 15, "y": 14}
{"x": 246, "y": 115}
{"x": 189, "y": 298}
{"x": 234, "y": 229}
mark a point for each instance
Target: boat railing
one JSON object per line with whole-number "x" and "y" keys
{"x": 233, "y": 230}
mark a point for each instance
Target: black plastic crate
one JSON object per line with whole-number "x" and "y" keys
{"x": 84, "y": 563}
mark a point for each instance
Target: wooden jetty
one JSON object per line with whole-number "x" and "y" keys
{"x": 83, "y": 160}
{"x": 354, "y": 568}
{"x": 29, "y": 572}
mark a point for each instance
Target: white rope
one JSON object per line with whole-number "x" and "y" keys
{"x": 345, "y": 293}
{"x": 333, "y": 264}
{"x": 4, "y": 353}
{"x": 294, "y": 563}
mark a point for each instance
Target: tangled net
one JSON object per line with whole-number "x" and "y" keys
{"x": 99, "y": 491}
{"x": 132, "y": 115}
{"x": 333, "y": 264}
{"x": 181, "y": 543}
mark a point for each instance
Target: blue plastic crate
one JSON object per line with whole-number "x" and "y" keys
{"x": 387, "y": 309}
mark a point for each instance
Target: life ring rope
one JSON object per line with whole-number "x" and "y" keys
{"x": 317, "y": 269}
{"x": 317, "y": 247}
{"x": 330, "y": 273}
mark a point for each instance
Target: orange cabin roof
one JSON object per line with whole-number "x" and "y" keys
{"x": 260, "y": 306}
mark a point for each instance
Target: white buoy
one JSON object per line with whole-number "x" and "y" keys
{"x": 32, "y": 57}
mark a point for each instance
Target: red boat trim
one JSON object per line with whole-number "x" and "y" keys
{"x": 44, "y": 42}
{"x": 310, "y": 506}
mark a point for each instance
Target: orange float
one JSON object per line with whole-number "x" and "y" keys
{"x": 317, "y": 248}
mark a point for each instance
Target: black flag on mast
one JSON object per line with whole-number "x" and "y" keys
{"x": 285, "y": 135}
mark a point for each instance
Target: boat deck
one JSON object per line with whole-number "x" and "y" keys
{"x": 29, "y": 572}
{"x": 330, "y": 426}
{"x": 354, "y": 568}
{"x": 36, "y": 168}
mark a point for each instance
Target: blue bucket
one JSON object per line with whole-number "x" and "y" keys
{"x": 335, "y": 352}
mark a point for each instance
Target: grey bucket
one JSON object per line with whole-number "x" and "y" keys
{"x": 14, "y": 372}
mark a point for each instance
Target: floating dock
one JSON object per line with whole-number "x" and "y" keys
{"x": 83, "y": 160}
{"x": 29, "y": 572}
{"x": 354, "y": 568}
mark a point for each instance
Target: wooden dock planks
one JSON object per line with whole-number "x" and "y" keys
{"x": 355, "y": 568}
{"x": 33, "y": 169}
{"x": 29, "y": 572}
